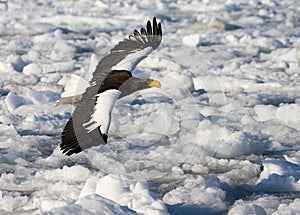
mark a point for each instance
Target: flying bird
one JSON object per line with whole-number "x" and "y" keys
{"x": 111, "y": 80}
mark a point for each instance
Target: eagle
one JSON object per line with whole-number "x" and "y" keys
{"x": 111, "y": 80}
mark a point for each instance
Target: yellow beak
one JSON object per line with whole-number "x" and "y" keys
{"x": 155, "y": 83}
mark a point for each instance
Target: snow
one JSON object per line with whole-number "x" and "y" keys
{"x": 220, "y": 136}
{"x": 14, "y": 101}
{"x": 191, "y": 40}
{"x": 92, "y": 204}
{"x": 137, "y": 196}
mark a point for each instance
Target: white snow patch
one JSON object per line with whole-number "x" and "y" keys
{"x": 191, "y": 40}
{"x": 14, "y": 101}
{"x": 289, "y": 115}
{"x": 172, "y": 137}
{"x": 223, "y": 143}
{"x": 247, "y": 209}
{"x": 32, "y": 69}
{"x": 279, "y": 175}
{"x": 135, "y": 195}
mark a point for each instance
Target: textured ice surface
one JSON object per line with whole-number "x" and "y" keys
{"x": 220, "y": 136}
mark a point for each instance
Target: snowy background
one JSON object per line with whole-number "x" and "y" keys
{"x": 221, "y": 136}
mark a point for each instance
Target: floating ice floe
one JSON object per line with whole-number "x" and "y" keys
{"x": 221, "y": 136}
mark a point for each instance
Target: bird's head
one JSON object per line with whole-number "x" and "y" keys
{"x": 140, "y": 84}
{"x": 134, "y": 84}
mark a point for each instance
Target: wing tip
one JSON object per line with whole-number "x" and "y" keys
{"x": 159, "y": 29}
{"x": 157, "y": 33}
{"x": 104, "y": 137}
{"x": 69, "y": 144}
{"x": 151, "y": 36}
{"x": 154, "y": 21}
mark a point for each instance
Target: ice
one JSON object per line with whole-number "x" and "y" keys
{"x": 265, "y": 112}
{"x": 135, "y": 196}
{"x": 14, "y": 101}
{"x": 285, "y": 173}
{"x": 292, "y": 207}
{"x": 191, "y": 40}
{"x": 6, "y": 68}
{"x": 220, "y": 136}
{"x": 10, "y": 203}
{"x": 247, "y": 209}
{"x": 32, "y": 69}
{"x": 90, "y": 186}
{"x": 74, "y": 173}
{"x": 224, "y": 143}
{"x": 48, "y": 204}
{"x": 199, "y": 169}
{"x": 110, "y": 187}
{"x": 92, "y": 204}
{"x": 294, "y": 160}
{"x": 266, "y": 205}
{"x": 17, "y": 62}
{"x": 196, "y": 192}
{"x": 289, "y": 115}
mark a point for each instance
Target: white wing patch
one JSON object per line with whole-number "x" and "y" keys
{"x": 131, "y": 60}
{"x": 102, "y": 111}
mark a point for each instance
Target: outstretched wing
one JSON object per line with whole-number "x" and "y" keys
{"x": 111, "y": 72}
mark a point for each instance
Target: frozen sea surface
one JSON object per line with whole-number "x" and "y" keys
{"x": 221, "y": 136}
